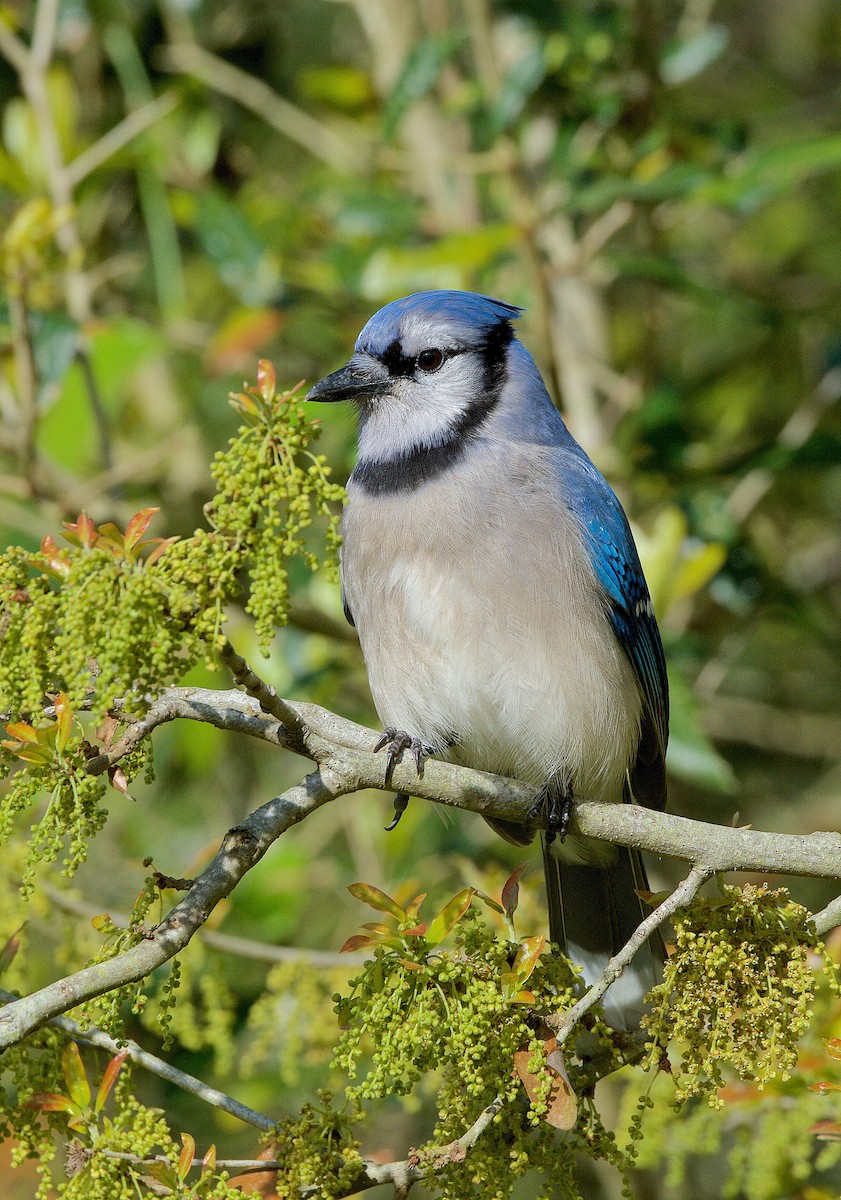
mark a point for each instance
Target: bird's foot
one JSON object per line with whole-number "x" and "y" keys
{"x": 397, "y": 740}
{"x": 401, "y": 803}
{"x": 555, "y": 804}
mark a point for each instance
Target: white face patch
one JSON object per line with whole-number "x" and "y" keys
{"x": 422, "y": 411}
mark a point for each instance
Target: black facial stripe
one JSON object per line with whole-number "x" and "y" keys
{"x": 495, "y": 356}
{"x": 420, "y": 464}
{"x": 396, "y": 361}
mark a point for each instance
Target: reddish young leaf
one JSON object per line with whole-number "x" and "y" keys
{"x": 10, "y": 949}
{"x": 81, "y": 532}
{"x": 57, "y": 561}
{"x": 374, "y": 898}
{"x": 825, "y": 1087}
{"x": 51, "y": 1102}
{"x": 208, "y": 1163}
{"x": 22, "y": 731}
{"x": 511, "y": 891}
{"x": 161, "y": 546}
{"x": 448, "y": 917}
{"x": 109, "y": 1078}
{"x": 562, "y": 1102}
{"x": 359, "y": 941}
{"x": 415, "y": 931}
{"x": 137, "y": 526}
{"x": 827, "y": 1131}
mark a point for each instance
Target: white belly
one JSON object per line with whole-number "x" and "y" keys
{"x": 484, "y": 635}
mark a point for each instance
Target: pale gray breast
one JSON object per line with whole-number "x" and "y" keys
{"x": 482, "y": 625}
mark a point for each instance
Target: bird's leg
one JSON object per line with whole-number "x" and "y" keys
{"x": 555, "y": 804}
{"x": 401, "y": 803}
{"x": 397, "y": 741}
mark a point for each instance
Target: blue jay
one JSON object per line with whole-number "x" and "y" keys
{"x": 502, "y": 610}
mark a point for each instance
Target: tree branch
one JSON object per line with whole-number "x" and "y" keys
{"x": 241, "y": 848}
{"x": 156, "y": 1066}
{"x": 346, "y": 763}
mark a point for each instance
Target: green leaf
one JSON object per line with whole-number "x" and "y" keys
{"x": 418, "y": 76}
{"x": 244, "y": 260}
{"x": 527, "y": 957}
{"x": 448, "y": 917}
{"x": 762, "y": 173}
{"x": 374, "y": 898}
{"x": 524, "y": 78}
{"x": 75, "y": 1076}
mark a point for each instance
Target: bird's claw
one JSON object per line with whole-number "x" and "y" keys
{"x": 555, "y": 805}
{"x": 401, "y": 802}
{"x": 397, "y": 741}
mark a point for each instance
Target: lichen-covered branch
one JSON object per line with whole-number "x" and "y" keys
{"x": 347, "y": 763}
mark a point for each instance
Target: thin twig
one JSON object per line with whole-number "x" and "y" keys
{"x": 242, "y": 847}
{"x": 251, "y": 92}
{"x": 564, "y": 1023}
{"x": 226, "y": 943}
{"x": 156, "y": 1066}
{"x": 266, "y": 697}
{"x": 118, "y": 136}
{"x": 238, "y": 1166}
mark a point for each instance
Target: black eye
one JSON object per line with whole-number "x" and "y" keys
{"x": 430, "y": 360}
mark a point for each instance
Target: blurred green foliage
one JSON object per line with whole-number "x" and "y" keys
{"x": 186, "y": 188}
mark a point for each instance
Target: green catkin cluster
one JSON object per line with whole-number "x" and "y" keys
{"x": 90, "y": 1168}
{"x": 737, "y": 991}
{"x": 319, "y": 1153}
{"x": 448, "y": 1016}
{"x": 269, "y": 486}
{"x": 113, "y": 617}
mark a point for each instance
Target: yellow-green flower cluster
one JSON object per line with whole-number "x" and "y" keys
{"x": 319, "y": 1153}
{"x": 110, "y": 619}
{"x": 450, "y": 1017}
{"x": 737, "y": 991}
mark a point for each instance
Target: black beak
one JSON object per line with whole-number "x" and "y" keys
{"x": 362, "y": 379}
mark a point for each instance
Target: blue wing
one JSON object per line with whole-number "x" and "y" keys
{"x": 616, "y": 563}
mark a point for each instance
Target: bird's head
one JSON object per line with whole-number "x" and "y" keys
{"x": 426, "y": 370}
